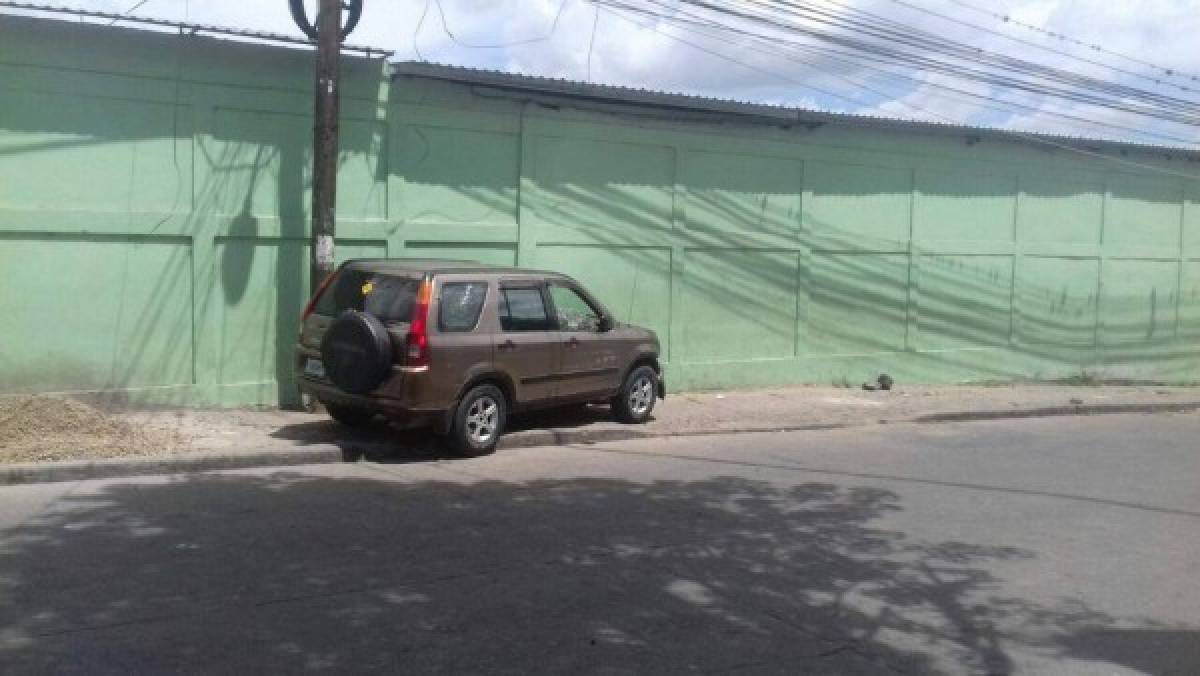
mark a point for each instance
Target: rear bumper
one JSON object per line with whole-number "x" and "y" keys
{"x": 328, "y": 393}
{"x": 662, "y": 387}
{"x": 392, "y": 398}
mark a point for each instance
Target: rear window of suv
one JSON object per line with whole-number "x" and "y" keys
{"x": 460, "y": 304}
{"x": 389, "y": 297}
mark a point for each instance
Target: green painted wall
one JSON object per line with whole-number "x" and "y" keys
{"x": 154, "y": 213}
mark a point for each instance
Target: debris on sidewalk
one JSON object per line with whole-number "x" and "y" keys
{"x": 883, "y": 382}
{"x": 37, "y": 428}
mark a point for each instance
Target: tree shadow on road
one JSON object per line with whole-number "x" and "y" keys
{"x": 383, "y": 570}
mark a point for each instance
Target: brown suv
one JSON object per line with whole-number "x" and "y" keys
{"x": 461, "y": 345}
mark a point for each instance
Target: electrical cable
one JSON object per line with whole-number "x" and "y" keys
{"x": 998, "y": 70}
{"x": 134, "y": 7}
{"x": 592, "y": 43}
{"x": 1037, "y": 45}
{"x": 1018, "y": 71}
{"x": 417, "y": 30}
{"x": 955, "y": 93}
{"x": 499, "y": 45}
{"x": 1032, "y": 137}
{"x": 1172, "y": 72}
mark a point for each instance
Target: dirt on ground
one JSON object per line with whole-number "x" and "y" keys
{"x": 40, "y": 428}
{"x": 43, "y": 428}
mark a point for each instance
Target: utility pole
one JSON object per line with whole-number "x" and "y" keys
{"x": 325, "y": 140}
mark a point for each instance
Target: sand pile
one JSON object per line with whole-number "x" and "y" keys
{"x": 39, "y": 428}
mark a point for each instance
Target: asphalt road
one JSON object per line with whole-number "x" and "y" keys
{"x": 1065, "y": 545}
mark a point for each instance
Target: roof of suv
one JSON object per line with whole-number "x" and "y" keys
{"x": 441, "y": 265}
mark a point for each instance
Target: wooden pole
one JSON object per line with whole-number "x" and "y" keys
{"x": 325, "y": 140}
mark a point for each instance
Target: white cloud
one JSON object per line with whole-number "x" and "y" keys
{"x": 642, "y": 53}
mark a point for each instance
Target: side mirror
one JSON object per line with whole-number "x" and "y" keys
{"x": 606, "y": 324}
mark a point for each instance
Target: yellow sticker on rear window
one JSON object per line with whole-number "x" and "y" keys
{"x": 367, "y": 288}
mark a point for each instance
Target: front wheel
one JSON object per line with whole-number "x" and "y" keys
{"x": 478, "y": 421}
{"x": 635, "y": 400}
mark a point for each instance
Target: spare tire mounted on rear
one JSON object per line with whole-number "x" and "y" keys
{"x": 357, "y": 352}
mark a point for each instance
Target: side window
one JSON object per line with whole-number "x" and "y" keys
{"x": 523, "y": 310}
{"x": 574, "y": 313}
{"x": 459, "y": 305}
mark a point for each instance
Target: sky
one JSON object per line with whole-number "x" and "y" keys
{"x": 576, "y": 40}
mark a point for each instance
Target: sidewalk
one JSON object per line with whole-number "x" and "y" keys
{"x": 704, "y": 413}
{"x": 215, "y": 439}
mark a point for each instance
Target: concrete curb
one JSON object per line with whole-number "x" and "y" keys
{"x": 108, "y": 468}
{"x": 77, "y": 470}
{"x": 1050, "y": 411}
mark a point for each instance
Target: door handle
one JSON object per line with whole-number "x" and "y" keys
{"x": 507, "y": 345}
{"x": 573, "y": 342}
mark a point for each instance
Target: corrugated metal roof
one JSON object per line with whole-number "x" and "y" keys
{"x": 775, "y": 114}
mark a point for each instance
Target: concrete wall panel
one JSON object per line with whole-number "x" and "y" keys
{"x": 859, "y": 206}
{"x": 1057, "y": 301}
{"x": 964, "y": 206}
{"x": 964, "y": 301}
{"x": 859, "y": 303}
{"x": 95, "y": 313}
{"x": 739, "y": 305}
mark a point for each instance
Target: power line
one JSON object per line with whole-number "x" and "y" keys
{"x": 417, "y": 31}
{"x": 946, "y": 91}
{"x": 1032, "y": 137}
{"x": 1037, "y": 45}
{"x": 592, "y": 43}
{"x": 891, "y": 43}
{"x": 128, "y": 11}
{"x": 731, "y": 59}
{"x": 1019, "y": 73}
{"x": 997, "y": 70}
{"x": 905, "y": 43}
{"x": 499, "y": 45}
{"x": 859, "y": 36}
{"x": 786, "y": 53}
{"x": 1066, "y": 38}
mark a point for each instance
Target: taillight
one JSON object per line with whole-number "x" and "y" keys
{"x": 312, "y": 302}
{"x": 416, "y": 343}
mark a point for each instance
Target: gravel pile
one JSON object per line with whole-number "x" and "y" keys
{"x": 41, "y": 428}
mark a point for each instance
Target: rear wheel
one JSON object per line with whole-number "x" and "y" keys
{"x": 635, "y": 400}
{"x": 351, "y": 416}
{"x": 478, "y": 422}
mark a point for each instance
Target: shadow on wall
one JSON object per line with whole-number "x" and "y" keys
{"x": 258, "y": 348}
{"x": 851, "y": 297}
{"x": 855, "y": 298}
{"x": 134, "y": 309}
{"x": 292, "y": 572}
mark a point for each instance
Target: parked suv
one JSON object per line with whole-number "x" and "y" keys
{"x": 461, "y": 345}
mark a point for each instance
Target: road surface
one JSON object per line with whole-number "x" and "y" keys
{"x": 1063, "y": 545}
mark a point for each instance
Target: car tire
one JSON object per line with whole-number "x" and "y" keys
{"x": 478, "y": 422}
{"x": 635, "y": 400}
{"x": 350, "y": 416}
{"x": 357, "y": 352}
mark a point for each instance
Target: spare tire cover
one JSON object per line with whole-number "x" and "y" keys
{"x": 357, "y": 352}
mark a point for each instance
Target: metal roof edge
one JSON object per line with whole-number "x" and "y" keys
{"x": 616, "y": 94}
